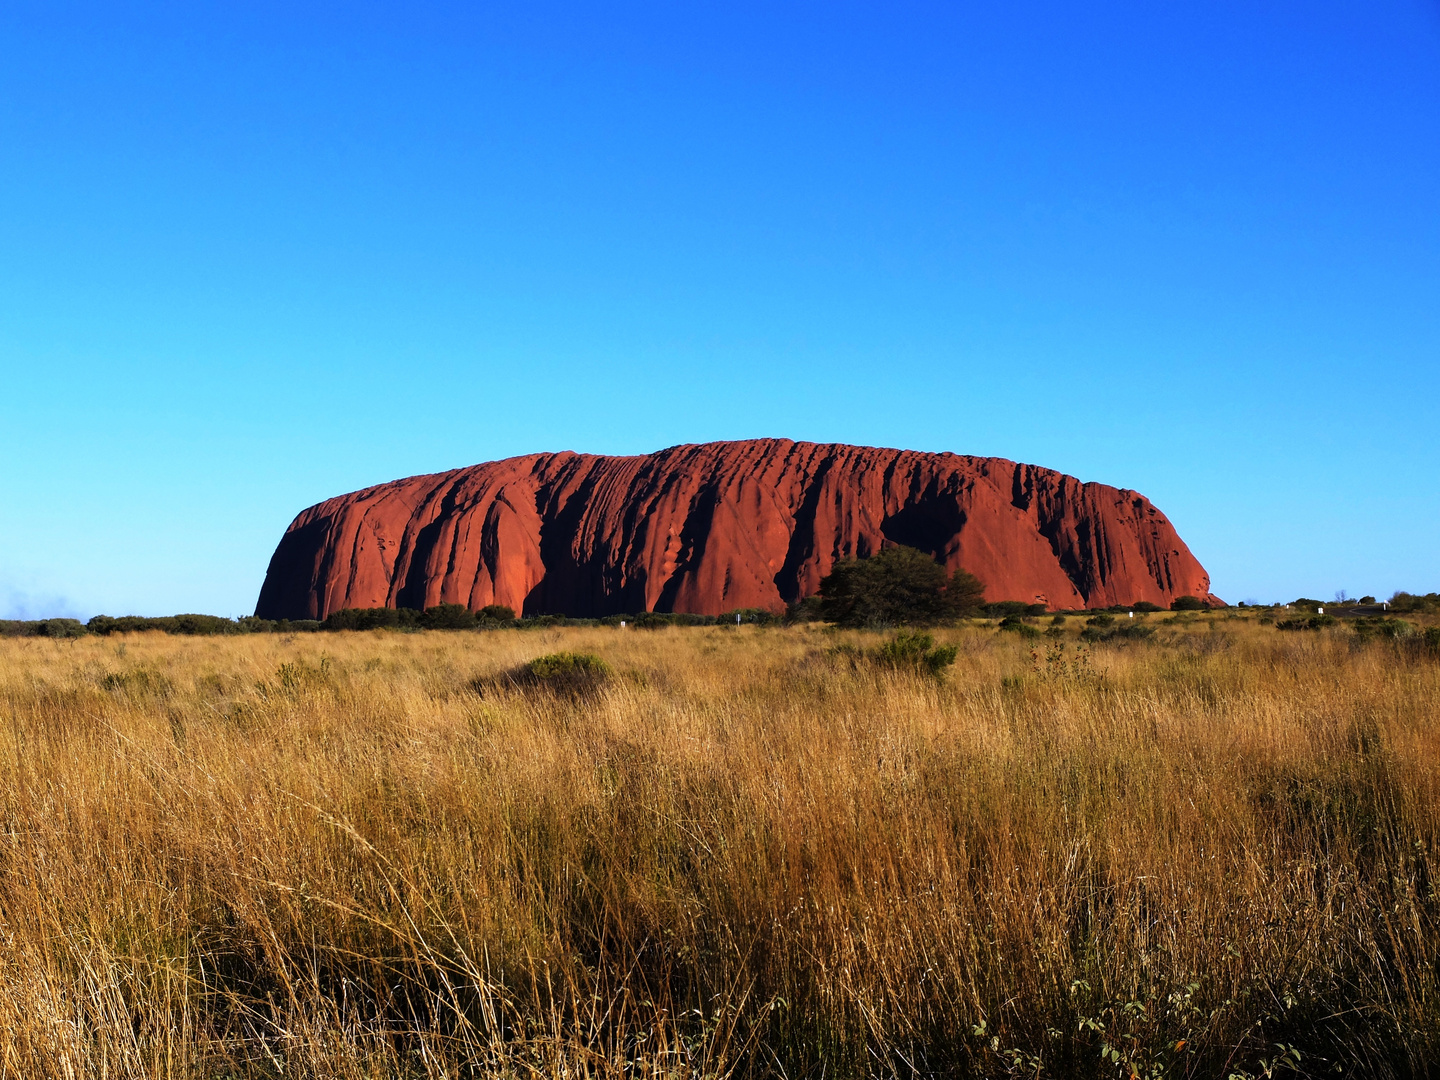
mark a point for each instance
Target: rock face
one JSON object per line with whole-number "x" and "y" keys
{"x": 717, "y": 526}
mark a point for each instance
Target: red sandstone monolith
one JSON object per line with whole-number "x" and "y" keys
{"x": 713, "y": 527}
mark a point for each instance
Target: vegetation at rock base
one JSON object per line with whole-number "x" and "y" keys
{"x": 869, "y": 598}
{"x": 1187, "y": 603}
{"x": 1208, "y": 852}
{"x": 897, "y": 586}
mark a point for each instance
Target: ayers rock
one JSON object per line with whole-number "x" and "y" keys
{"x": 717, "y": 526}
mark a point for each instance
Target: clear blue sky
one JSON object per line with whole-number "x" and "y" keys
{"x": 255, "y": 255}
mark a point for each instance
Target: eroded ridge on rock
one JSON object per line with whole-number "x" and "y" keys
{"x": 712, "y": 527}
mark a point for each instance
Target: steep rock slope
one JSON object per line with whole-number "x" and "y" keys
{"x": 711, "y": 527}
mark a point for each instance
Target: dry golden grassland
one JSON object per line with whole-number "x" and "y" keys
{"x": 1210, "y": 853}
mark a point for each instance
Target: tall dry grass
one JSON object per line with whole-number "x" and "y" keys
{"x": 370, "y": 855}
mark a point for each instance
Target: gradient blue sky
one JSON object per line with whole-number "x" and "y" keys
{"x": 254, "y": 255}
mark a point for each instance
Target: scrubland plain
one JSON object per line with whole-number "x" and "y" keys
{"x": 748, "y": 852}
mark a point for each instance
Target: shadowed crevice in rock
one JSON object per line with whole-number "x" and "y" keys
{"x": 802, "y": 537}
{"x": 930, "y": 523}
{"x": 717, "y": 526}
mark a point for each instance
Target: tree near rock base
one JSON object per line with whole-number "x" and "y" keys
{"x": 897, "y": 586}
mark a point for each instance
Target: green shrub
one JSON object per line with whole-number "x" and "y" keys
{"x": 106, "y": 624}
{"x": 298, "y": 626}
{"x": 492, "y": 614}
{"x": 756, "y": 616}
{"x": 1365, "y": 629}
{"x": 1187, "y": 603}
{"x": 565, "y": 672}
{"x": 1128, "y": 630}
{"x": 806, "y": 610}
{"x": 59, "y": 628}
{"x": 189, "y": 624}
{"x": 1014, "y": 624}
{"x": 542, "y": 622}
{"x": 448, "y": 617}
{"x": 382, "y": 618}
{"x": 658, "y": 620}
{"x": 911, "y": 650}
{"x": 202, "y": 624}
{"x": 1132, "y": 631}
{"x": 895, "y": 586}
{"x": 1001, "y": 609}
{"x": 1315, "y": 622}
{"x": 1100, "y": 620}
{"x": 964, "y": 594}
{"x": 1415, "y": 602}
{"x": 1145, "y": 605}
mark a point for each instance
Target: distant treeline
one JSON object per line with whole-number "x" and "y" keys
{"x": 439, "y": 617}
{"x": 498, "y": 616}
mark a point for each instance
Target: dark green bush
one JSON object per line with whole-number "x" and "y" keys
{"x": 124, "y": 624}
{"x": 965, "y": 594}
{"x": 1001, "y": 609}
{"x": 1315, "y": 622}
{"x": 658, "y": 620}
{"x": 59, "y": 628}
{"x": 1187, "y": 603}
{"x": 565, "y": 672}
{"x": 1145, "y": 605}
{"x": 896, "y": 586}
{"x": 494, "y": 614}
{"x": 202, "y": 624}
{"x": 755, "y": 616}
{"x": 806, "y": 610}
{"x": 1100, "y": 620}
{"x": 1128, "y": 630}
{"x": 541, "y": 622}
{"x": 1415, "y": 602}
{"x": 448, "y": 617}
{"x": 916, "y": 651}
{"x": 382, "y": 618}
{"x": 39, "y": 628}
{"x": 195, "y": 624}
{"x": 297, "y": 626}
{"x": 1367, "y": 628}
{"x": 1014, "y": 624}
